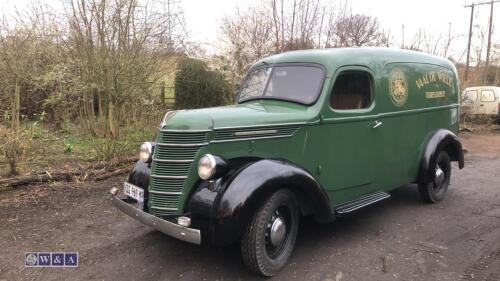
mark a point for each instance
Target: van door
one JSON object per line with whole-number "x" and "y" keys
{"x": 488, "y": 102}
{"x": 343, "y": 144}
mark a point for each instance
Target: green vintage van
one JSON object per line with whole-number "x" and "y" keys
{"x": 316, "y": 132}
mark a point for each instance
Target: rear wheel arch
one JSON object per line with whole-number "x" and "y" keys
{"x": 455, "y": 152}
{"x": 439, "y": 140}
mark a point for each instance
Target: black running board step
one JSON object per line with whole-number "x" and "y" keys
{"x": 361, "y": 202}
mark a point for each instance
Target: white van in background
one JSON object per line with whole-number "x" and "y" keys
{"x": 482, "y": 100}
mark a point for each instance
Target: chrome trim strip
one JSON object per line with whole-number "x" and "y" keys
{"x": 251, "y": 133}
{"x": 185, "y": 131}
{"x": 259, "y": 126}
{"x": 173, "y": 161}
{"x": 361, "y": 202}
{"x": 168, "y": 177}
{"x": 190, "y": 235}
{"x": 256, "y": 138}
{"x": 181, "y": 144}
{"x": 165, "y": 192}
{"x": 356, "y": 118}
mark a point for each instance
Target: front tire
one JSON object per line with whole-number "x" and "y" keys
{"x": 269, "y": 238}
{"x": 435, "y": 191}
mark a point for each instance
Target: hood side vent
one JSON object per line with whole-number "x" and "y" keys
{"x": 254, "y": 132}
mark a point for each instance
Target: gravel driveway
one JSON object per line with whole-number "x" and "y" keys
{"x": 399, "y": 239}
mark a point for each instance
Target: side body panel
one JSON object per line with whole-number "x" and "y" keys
{"x": 431, "y": 104}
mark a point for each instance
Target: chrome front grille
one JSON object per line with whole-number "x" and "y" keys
{"x": 174, "y": 169}
{"x": 173, "y": 157}
{"x": 182, "y": 137}
{"x": 176, "y": 153}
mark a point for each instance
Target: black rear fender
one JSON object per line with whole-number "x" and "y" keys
{"x": 440, "y": 140}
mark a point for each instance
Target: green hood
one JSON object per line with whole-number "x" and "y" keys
{"x": 251, "y": 113}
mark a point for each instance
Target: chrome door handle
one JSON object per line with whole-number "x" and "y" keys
{"x": 376, "y": 124}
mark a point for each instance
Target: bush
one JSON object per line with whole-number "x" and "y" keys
{"x": 196, "y": 86}
{"x": 15, "y": 146}
{"x": 107, "y": 149}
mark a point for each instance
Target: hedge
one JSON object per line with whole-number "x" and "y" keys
{"x": 197, "y": 86}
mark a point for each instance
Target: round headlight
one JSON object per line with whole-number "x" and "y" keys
{"x": 146, "y": 152}
{"x": 206, "y": 166}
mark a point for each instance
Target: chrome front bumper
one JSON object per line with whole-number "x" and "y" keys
{"x": 190, "y": 235}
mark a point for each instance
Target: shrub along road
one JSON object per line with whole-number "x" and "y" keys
{"x": 399, "y": 239}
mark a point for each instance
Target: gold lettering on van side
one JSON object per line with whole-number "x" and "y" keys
{"x": 434, "y": 76}
{"x": 434, "y": 95}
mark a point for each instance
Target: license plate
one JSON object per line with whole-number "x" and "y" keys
{"x": 133, "y": 191}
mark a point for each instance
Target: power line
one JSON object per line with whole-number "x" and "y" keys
{"x": 481, "y": 3}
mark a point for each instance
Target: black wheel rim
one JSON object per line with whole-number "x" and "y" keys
{"x": 283, "y": 213}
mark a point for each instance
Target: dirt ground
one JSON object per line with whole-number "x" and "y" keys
{"x": 399, "y": 239}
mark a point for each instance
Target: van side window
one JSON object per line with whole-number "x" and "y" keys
{"x": 352, "y": 90}
{"x": 488, "y": 95}
{"x": 470, "y": 96}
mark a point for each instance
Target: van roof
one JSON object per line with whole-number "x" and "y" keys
{"x": 482, "y": 88}
{"x": 366, "y": 56}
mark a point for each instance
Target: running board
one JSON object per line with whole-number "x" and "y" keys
{"x": 361, "y": 202}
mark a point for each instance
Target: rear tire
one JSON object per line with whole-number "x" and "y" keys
{"x": 435, "y": 191}
{"x": 270, "y": 237}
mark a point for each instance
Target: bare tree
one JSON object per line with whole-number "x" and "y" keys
{"x": 357, "y": 30}
{"x": 120, "y": 48}
{"x": 274, "y": 26}
{"x": 27, "y": 54}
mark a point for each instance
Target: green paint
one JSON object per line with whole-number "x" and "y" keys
{"x": 341, "y": 148}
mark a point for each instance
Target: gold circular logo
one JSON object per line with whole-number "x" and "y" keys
{"x": 398, "y": 87}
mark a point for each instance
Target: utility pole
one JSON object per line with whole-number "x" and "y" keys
{"x": 490, "y": 30}
{"x": 468, "y": 44}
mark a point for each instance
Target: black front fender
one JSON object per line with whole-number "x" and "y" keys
{"x": 233, "y": 200}
{"x": 139, "y": 176}
{"x": 439, "y": 140}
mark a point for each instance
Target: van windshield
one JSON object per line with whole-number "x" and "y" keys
{"x": 296, "y": 83}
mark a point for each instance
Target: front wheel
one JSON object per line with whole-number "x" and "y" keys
{"x": 435, "y": 191}
{"x": 270, "y": 237}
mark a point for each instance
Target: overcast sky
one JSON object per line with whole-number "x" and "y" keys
{"x": 433, "y": 15}
{"x": 203, "y": 16}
